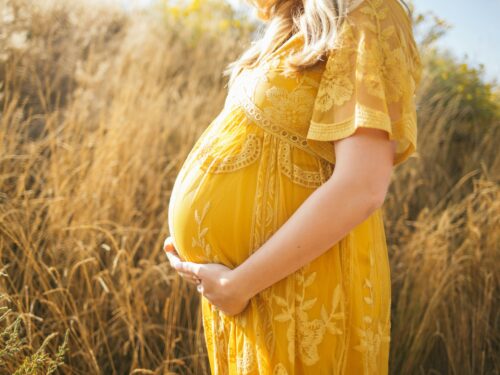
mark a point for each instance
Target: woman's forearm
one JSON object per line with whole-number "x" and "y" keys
{"x": 322, "y": 220}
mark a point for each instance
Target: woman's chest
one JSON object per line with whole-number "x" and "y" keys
{"x": 272, "y": 99}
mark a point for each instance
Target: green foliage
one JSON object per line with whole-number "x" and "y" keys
{"x": 201, "y": 16}
{"x": 452, "y": 77}
{"x": 477, "y": 98}
{"x": 18, "y": 358}
{"x": 430, "y": 28}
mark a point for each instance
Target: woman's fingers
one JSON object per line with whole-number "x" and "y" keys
{"x": 172, "y": 255}
{"x": 188, "y": 278}
{"x": 168, "y": 245}
{"x": 173, "y": 259}
{"x": 187, "y": 270}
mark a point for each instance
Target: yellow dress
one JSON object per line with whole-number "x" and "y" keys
{"x": 268, "y": 149}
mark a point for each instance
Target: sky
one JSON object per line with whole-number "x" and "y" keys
{"x": 473, "y": 36}
{"x": 474, "y": 32}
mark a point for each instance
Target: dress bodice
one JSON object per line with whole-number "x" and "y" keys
{"x": 278, "y": 103}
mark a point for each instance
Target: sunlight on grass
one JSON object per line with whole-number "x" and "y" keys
{"x": 99, "y": 107}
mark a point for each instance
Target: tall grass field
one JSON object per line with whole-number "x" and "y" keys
{"x": 99, "y": 106}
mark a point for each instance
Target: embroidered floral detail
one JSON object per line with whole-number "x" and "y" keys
{"x": 249, "y": 152}
{"x": 242, "y": 94}
{"x": 200, "y": 240}
{"x": 373, "y": 68}
{"x": 328, "y": 319}
{"x": 245, "y": 361}
{"x": 385, "y": 71}
{"x": 370, "y": 48}
{"x": 216, "y": 339}
{"x": 371, "y": 340}
{"x": 280, "y": 369}
{"x": 261, "y": 119}
{"x": 374, "y": 332}
{"x": 310, "y": 332}
{"x": 265, "y": 215}
{"x": 291, "y": 108}
{"x": 368, "y": 299}
{"x": 337, "y": 86}
{"x": 298, "y": 175}
{"x": 265, "y": 221}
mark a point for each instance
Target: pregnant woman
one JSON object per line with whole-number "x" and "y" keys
{"x": 276, "y": 211}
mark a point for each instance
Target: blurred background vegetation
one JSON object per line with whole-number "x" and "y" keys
{"x": 99, "y": 106}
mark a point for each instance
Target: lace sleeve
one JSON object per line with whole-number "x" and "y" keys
{"x": 369, "y": 80}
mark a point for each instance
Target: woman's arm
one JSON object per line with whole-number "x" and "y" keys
{"x": 356, "y": 188}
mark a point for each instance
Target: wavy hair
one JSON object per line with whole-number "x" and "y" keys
{"x": 317, "y": 21}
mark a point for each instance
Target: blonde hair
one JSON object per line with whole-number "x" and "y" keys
{"x": 317, "y": 22}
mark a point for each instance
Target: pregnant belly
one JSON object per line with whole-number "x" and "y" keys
{"x": 210, "y": 214}
{"x": 237, "y": 186}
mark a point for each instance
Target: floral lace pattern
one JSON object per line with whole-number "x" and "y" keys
{"x": 249, "y": 152}
{"x": 300, "y": 328}
{"x": 297, "y": 174}
{"x": 372, "y": 334}
{"x": 370, "y": 79}
{"x": 291, "y": 108}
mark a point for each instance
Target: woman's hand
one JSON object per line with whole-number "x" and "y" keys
{"x": 169, "y": 248}
{"x": 215, "y": 281}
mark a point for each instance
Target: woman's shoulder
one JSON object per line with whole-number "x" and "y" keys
{"x": 380, "y": 25}
{"x": 378, "y": 10}
{"x": 356, "y": 3}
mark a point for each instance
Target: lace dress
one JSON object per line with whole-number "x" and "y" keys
{"x": 268, "y": 149}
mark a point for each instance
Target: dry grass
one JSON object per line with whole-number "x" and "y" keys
{"x": 98, "y": 111}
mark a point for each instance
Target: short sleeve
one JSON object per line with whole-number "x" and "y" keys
{"x": 369, "y": 80}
